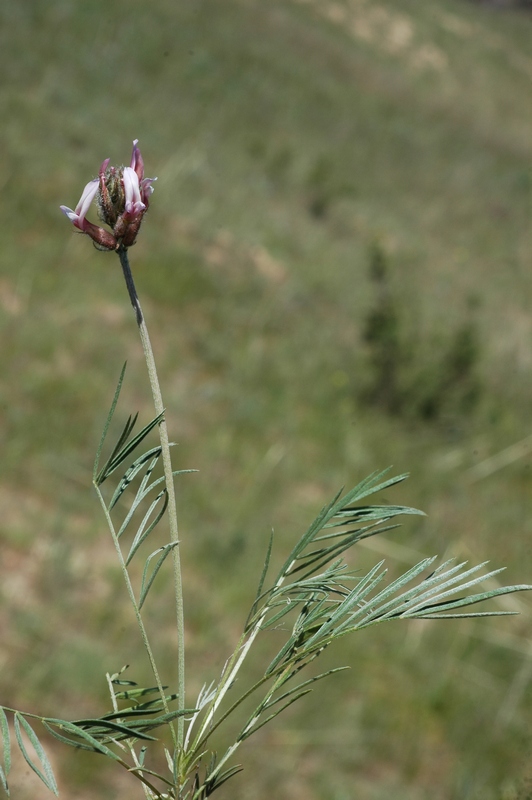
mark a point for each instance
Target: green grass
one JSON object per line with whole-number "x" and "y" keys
{"x": 288, "y": 137}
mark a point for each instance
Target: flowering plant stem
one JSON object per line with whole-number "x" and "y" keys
{"x": 169, "y": 480}
{"x": 315, "y": 598}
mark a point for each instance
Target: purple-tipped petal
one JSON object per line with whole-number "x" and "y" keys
{"x": 137, "y": 162}
{"x": 146, "y": 189}
{"x": 104, "y": 166}
{"x": 134, "y": 204}
{"x": 122, "y": 194}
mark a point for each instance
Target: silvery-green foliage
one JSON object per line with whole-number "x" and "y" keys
{"x": 315, "y": 598}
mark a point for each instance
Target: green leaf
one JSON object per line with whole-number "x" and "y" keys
{"x": 146, "y": 583}
{"x": 91, "y": 734}
{"x": 108, "y": 422}
{"x": 6, "y": 742}
{"x": 354, "y": 516}
{"x": 328, "y": 586}
{"x": 144, "y": 490}
{"x": 156, "y": 722}
{"x": 139, "y": 711}
{"x": 426, "y": 593}
{"x": 124, "y": 448}
{"x": 143, "y": 532}
{"x": 356, "y": 597}
{"x": 266, "y": 565}
{"x": 300, "y": 686}
{"x": 142, "y": 493}
{"x": 341, "y": 512}
{"x": 435, "y": 595}
{"x": 211, "y": 785}
{"x": 162, "y": 479}
{"x": 142, "y": 754}
{"x": 317, "y": 559}
{"x": 324, "y": 516}
{"x": 131, "y": 694}
{"x": 105, "y": 729}
{"x": 145, "y": 771}
{"x": 293, "y": 694}
{"x": 405, "y": 599}
{"x": 155, "y": 702}
{"x": 285, "y": 650}
{"x": 245, "y": 734}
{"x": 261, "y": 581}
{"x": 47, "y": 776}
{"x": 431, "y": 612}
{"x": 122, "y": 439}
{"x": 287, "y": 606}
{"x": 370, "y": 486}
{"x": 468, "y": 615}
{"x": 3, "y": 781}
{"x": 376, "y": 605}
{"x": 132, "y": 471}
{"x": 66, "y": 740}
{"x": 99, "y": 747}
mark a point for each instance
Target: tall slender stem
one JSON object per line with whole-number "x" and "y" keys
{"x": 169, "y": 479}
{"x": 136, "y": 609}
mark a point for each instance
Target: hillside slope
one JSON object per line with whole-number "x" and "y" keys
{"x": 296, "y": 143}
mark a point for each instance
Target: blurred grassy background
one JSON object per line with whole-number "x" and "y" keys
{"x": 336, "y": 272}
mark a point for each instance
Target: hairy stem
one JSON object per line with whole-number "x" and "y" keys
{"x": 169, "y": 479}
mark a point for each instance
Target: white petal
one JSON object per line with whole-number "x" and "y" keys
{"x": 69, "y": 213}
{"x": 134, "y": 202}
{"x": 89, "y": 193}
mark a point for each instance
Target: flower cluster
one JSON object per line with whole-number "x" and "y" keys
{"x": 122, "y": 195}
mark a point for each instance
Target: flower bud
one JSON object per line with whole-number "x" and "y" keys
{"x": 122, "y": 195}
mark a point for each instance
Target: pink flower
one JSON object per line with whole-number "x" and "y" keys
{"x": 134, "y": 204}
{"x": 78, "y": 216}
{"x": 122, "y": 195}
{"x": 99, "y": 235}
{"x": 145, "y": 184}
